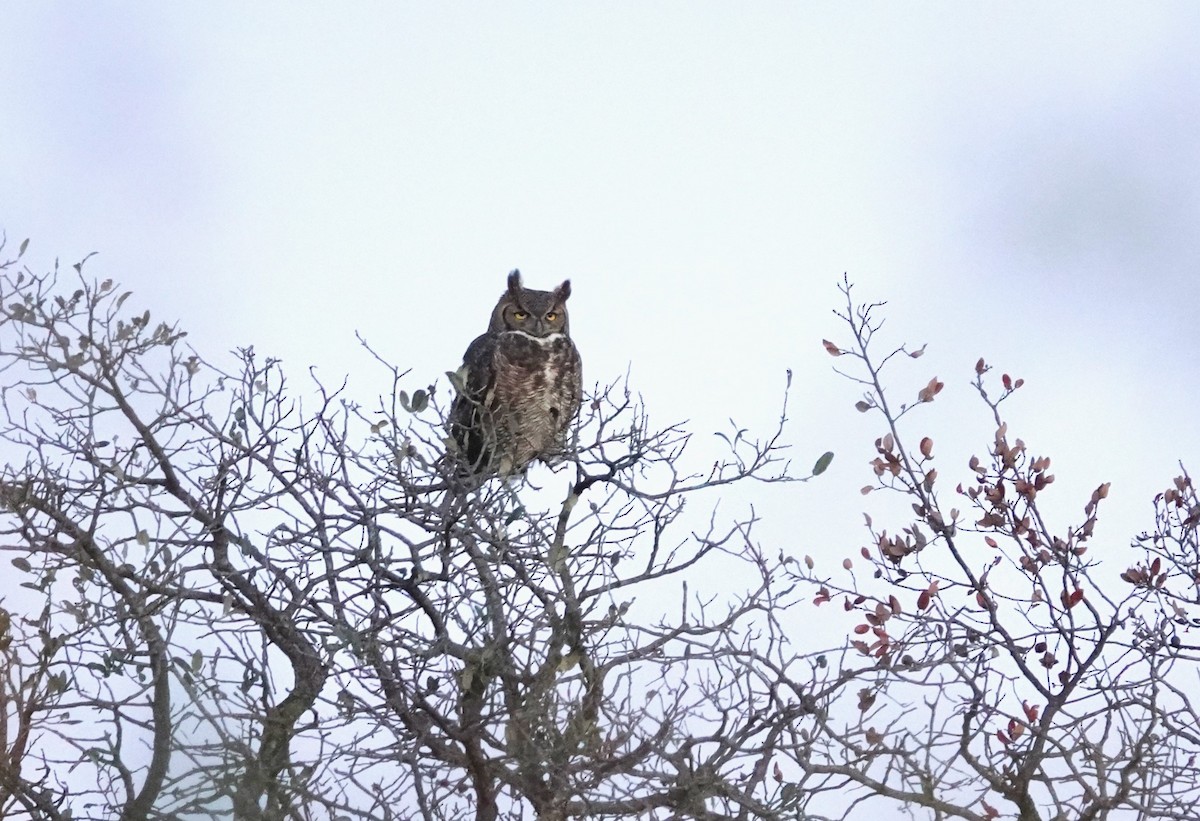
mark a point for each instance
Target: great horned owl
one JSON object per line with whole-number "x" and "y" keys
{"x": 522, "y": 382}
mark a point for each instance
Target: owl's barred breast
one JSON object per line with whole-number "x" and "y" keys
{"x": 533, "y": 374}
{"x": 535, "y": 394}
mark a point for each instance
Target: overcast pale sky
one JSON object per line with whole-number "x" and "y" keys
{"x": 1021, "y": 181}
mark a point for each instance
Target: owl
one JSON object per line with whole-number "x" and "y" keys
{"x": 520, "y": 383}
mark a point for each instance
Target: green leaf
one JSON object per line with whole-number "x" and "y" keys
{"x": 420, "y": 401}
{"x": 22, "y": 564}
{"x": 143, "y": 538}
{"x": 197, "y": 660}
{"x": 458, "y": 379}
{"x": 24, "y": 245}
{"x": 823, "y": 463}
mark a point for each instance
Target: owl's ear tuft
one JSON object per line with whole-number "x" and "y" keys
{"x": 514, "y": 282}
{"x": 562, "y": 292}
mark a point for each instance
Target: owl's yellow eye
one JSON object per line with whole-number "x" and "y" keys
{"x": 553, "y": 315}
{"x": 519, "y": 315}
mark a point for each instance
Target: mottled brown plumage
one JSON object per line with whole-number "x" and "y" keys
{"x": 521, "y": 383}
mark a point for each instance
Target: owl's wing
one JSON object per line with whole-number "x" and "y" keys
{"x": 467, "y": 414}
{"x": 478, "y": 361}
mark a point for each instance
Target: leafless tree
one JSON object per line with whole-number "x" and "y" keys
{"x": 232, "y": 600}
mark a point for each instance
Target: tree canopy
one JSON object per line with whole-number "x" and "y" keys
{"x": 233, "y": 597}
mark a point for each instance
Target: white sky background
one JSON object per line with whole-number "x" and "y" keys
{"x": 1020, "y": 181}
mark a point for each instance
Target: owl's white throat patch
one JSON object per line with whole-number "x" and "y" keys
{"x": 541, "y": 340}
